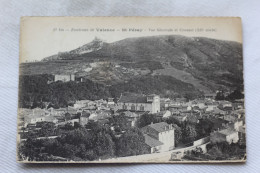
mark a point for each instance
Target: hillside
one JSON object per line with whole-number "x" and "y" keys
{"x": 207, "y": 64}
{"x": 34, "y": 90}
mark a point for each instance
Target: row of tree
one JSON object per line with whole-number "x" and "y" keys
{"x": 219, "y": 151}
{"x": 91, "y": 142}
{"x": 36, "y": 90}
{"x": 235, "y": 95}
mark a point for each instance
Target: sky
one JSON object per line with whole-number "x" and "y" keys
{"x": 41, "y": 37}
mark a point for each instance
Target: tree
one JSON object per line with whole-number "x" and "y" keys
{"x": 69, "y": 150}
{"x": 189, "y": 133}
{"x": 131, "y": 143}
{"x": 86, "y": 144}
{"x": 47, "y": 128}
{"x": 172, "y": 120}
{"x": 146, "y": 119}
{"x": 77, "y": 125}
{"x": 68, "y": 126}
{"x": 177, "y": 134}
{"x": 104, "y": 146}
{"x": 220, "y": 96}
{"x": 204, "y": 128}
{"x": 96, "y": 127}
{"x": 119, "y": 122}
{"x": 235, "y": 95}
{"x": 29, "y": 149}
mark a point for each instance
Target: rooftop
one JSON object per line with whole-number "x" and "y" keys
{"x": 130, "y": 114}
{"x": 218, "y": 120}
{"x": 85, "y": 114}
{"x": 151, "y": 141}
{"x": 82, "y": 101}
{"x": 211, "y": 103}
{"x": 160, "y": 127}
{"x": 227, "y": 131}
{"x": 210, "y": 94}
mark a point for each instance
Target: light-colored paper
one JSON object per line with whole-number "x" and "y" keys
{"x": 182, "y": 73}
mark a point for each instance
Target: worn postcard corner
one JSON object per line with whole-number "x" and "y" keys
{"x": 131, "y": 90}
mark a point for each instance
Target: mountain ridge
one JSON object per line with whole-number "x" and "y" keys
{"x": 208, "y": 64}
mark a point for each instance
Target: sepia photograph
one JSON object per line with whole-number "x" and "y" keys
{"x": 131, "y": 90}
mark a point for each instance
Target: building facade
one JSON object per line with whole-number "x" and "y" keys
{"x": 225, "y": 135}
{"x": 159, "y": 136}
{"x": 150, "y": 103}
{"x": 64, "y": 78}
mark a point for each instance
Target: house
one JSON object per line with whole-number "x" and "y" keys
{"x": 61, "y": 119}
{"x": 177, "y": 109}
{"x": 159, "y": 136}
{"x": 178, "y": 102}
{"x": 90, "y": 108}
{"x": 37, "y": 115}
{"x": 235, "y": 124}
{"x": 231, "y": 117}
{"x": 218, "y": 111}
{"x": 242, "y": 134}
{"x": 218, "y": 123}
{"x": 225, "y": 135}
{"x": 81, "y": 104}
{"x": 79, "y": 79}
{"x": 131, "y": 116}
{"x": 240, "y": 113}
{"x": 225, "y": 104}
{"x": 64, "y": 77}
{"x": 199, "y": 103}
{"x": 210, "y": 95}
{"x": 73, "y": 121}
{"x": 174, "y": 110}
{"x": 167, "y": 114}
{"x": 99, "y": 114}
{"x": 62, "y": 111}
{"x": 239, "y": 105}
{"x": 227, "y": 110}
{"x": 191, "y": 112}
{"x": 31, "y": 127}
{"x": 93, "y": 117}
{"x": 211, "y": 106}
{"x": 51, "y": 119}
{"x": 133, "y": 102}
{"x": 35, "y": 120}
{"x": 155, "y": 145}
{"x": 100, "y": 102}
{"x": 110, "y": 101}
{"x": 165, "y": 102}
{"x": 38, "y": 112}
{"x": 84, "y": 118}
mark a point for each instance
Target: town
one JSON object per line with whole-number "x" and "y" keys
{"x": 134, "y": 125}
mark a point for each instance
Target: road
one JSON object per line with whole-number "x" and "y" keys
{"x": 154, "y": 157}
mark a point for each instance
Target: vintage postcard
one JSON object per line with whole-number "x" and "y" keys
{"x": 131, "y": 90}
